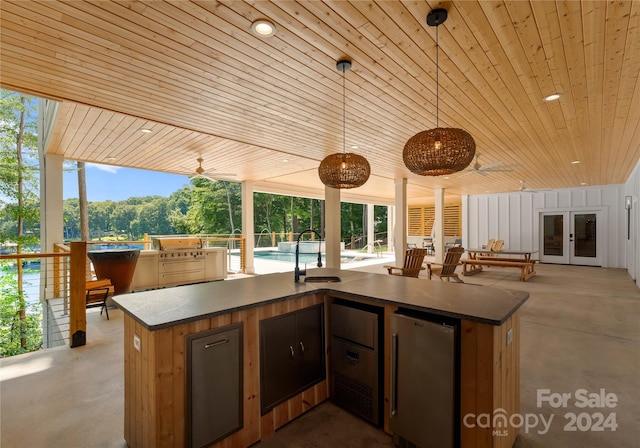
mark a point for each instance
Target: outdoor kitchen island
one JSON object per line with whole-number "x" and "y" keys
{"x": 160, "y": 324}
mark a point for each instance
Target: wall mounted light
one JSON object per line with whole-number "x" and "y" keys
{"x": 628, "y": 204}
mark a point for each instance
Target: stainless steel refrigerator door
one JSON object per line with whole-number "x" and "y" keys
{"x": 422, "y": 381}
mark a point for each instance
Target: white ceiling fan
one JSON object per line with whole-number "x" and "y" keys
{"x": 208, "y": 174}
{"x": 524, "y": 189}
{"x": 493, "y": 167}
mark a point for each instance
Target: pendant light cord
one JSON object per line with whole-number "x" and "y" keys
{"x": 437, "y": 81}
{"x": 344, "y": 113}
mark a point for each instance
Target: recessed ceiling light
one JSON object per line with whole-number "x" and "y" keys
{"x": 111, "y": 158}
{"x": 575, "y": 162}
{"x": 446, "y": 177}
{"x": 552, "y": 97}
{"x": 263, "y": 28}
{"x": 583, "y": 183}
{"x": 285, "y": 160}
{"x": 146, "y": 131}
{"x": 354, "y": 146}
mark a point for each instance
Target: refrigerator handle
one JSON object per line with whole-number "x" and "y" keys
{"x": 393, "y": 407}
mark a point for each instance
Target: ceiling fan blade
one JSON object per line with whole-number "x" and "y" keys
{"x": 221, "y": 176}
{"x": 489, "y": 165}
{"x": 216, "y": 174}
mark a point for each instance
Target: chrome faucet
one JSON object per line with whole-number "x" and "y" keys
{"x": 298, "y": 272}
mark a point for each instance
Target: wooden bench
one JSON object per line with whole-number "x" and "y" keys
{"x": 527, "y": 268}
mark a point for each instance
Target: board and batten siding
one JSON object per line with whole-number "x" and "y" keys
{"x": 515, "y": 218}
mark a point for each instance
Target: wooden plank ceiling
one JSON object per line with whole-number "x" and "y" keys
{"x": 270, "y": 109}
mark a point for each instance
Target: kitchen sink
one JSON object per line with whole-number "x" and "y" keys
{"x": 324, "y": 279}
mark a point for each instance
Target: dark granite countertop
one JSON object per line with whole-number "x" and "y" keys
{"x": 163, "y": 308}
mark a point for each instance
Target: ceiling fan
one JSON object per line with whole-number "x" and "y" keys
{"x": 530, "y": 190}
{"x": 208, "y": 174}
{"x": 493, "y": 167}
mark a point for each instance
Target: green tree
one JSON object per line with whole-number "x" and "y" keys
{"x": 122, "y": 216}
{"x": 71, "y": 219}
{"x": 215, "y": 207}
{"x": 20, "y": 205}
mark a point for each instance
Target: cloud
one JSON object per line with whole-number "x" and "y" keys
{"x": 107, "y": 168}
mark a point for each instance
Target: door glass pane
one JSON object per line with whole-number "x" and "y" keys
{"x": 553, "y": 235}
{"x": 585, "y": 236}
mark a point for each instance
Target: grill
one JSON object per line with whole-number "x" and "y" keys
{"x": 181, "y": 260}
{"x": 178, "y": 260}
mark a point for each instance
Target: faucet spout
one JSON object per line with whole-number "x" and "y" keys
{"x": 297, "y": 271}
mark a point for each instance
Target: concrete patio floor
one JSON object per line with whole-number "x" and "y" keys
{"x": 580, "y": 330}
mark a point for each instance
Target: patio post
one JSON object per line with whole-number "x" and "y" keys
{"x": 77, "y": 288}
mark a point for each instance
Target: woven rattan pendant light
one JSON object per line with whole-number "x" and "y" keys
{"x": 345, "y": 169}
{"x": 438, "y": 151}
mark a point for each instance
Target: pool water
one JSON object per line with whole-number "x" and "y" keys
{"x": 309, "y": 259}
{"x": 288, "y": 256}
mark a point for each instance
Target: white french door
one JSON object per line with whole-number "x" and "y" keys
{"x": 570, "y": 237}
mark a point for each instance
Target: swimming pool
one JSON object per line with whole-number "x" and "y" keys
{"x": 287, "y": 256}
{"x": 290, "y": 257}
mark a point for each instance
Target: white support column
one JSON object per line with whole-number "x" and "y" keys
{"x": 400, "y": 225}
{"x": 51, "y": 209}
{"x": 465, "y": 221}
{"x": 247, "y": 225}
{"x": 371, "y": 231}
{"x": 332, "y": 226}
{"x": 438, "y": 224}
{"x": 391, "y": 219}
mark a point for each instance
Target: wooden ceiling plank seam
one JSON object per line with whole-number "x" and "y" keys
{"x": 572, "y": 30}
{"x": 476, "y": 111}
{"x": 478, "y": 21}
{"x": 276, "y": 99}
{"x": 556, "y": 117}
{"x": 72, "y": 129}
{"x": 191, "y": 147}
{"x": 47, "y": 66}
{"x": 337, "y": 44}
{"x": 594, "y": 49}
{"x": 571, "y": 147}
{"x": 98, "y": 120}
{"x": 479, "y": 112}
{"x": 532, "y": 114}
{"x": 361, "y": 112}
{"x": 625, "y": 86}
{"x": 618, "y": 16}
{"x": 516, "y": 52}
{"x": 626, "y": 108}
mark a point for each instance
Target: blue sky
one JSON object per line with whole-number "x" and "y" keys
{"x": 105, "y": 182}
